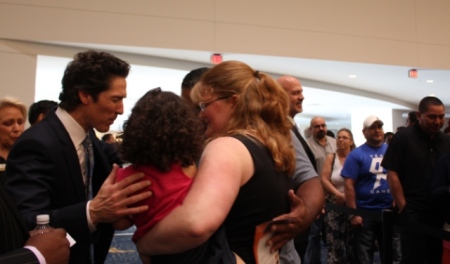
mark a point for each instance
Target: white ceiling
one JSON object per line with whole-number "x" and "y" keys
{"x": 328, "y": 90}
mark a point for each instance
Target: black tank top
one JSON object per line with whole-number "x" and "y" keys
{"x": 214, "y": 251}
{"x": 262, "y": 198}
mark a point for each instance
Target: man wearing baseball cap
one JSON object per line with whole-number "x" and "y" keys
{"x": 366, "y": 188}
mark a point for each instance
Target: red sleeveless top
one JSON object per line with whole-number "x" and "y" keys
{"x": 168, "y": 191}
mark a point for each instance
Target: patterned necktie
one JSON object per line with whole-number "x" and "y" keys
{"x": 88, "y": 166}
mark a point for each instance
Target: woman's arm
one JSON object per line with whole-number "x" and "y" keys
{"x": 224, "y": 167}
{"x": 325, "y": 176}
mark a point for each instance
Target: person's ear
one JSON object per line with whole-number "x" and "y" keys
{"x": 84, "y": 96}
{"x": 40, "y": 117}
{"x": 234, "y": 98}
{"x": 418, "y": 114}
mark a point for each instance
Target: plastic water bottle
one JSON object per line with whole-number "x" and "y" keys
{"x": 42, "y": 225}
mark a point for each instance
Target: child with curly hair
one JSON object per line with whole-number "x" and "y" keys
{"x": 164, "y": 139}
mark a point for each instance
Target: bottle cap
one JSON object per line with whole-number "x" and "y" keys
{"x": 43, "y": 219}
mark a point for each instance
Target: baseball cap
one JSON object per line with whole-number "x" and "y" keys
{"x": 368, "y": 122}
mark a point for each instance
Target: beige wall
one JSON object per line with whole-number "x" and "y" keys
{"x": 17, "y": 74}
{"x": 402, "y": 32}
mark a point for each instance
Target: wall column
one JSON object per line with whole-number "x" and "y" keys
{"x": 18, "y": 74}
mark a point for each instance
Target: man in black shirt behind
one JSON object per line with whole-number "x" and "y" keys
{"x": 410, "y": 160}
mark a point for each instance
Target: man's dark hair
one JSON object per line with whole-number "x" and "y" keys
{"x": 400, "y": 128}
{"x": 40, "y": 107}
{"x": 427, "y": 101}
{"x": 412, "y": 117}
{"x": 330, "y": 133}
{"x": 163, "y": 129}
{"x": 92, "y": 72}
{"x": 388, "y": 134}
{"x": 193, "y": 77}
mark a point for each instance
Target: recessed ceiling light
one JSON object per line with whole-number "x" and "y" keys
{"x": 352, "y": 76}
{"x": 431, "y": 95}
{"x": 430, "y": 81}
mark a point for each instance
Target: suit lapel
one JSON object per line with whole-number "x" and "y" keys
{"x": 70, "y": 156}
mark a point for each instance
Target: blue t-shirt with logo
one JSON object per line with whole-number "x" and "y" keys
{"x": 363, "y": 165}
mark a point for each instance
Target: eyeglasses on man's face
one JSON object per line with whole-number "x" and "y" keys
{"x": 203, "y": 105}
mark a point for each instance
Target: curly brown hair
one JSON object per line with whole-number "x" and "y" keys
{"x": 162, "y": 130}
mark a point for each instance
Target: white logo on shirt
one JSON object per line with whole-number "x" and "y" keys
{"x": 375, "y": 168}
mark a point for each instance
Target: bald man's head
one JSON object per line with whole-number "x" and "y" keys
{"x": 294, "y": 90}
{"x": 318, "y": 127}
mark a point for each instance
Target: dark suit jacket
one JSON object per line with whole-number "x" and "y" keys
{"x": 13, "y": 232}
{"x": 43, "y": 175}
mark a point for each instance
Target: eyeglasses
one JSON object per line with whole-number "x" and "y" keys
{"x": 203, "y": 105}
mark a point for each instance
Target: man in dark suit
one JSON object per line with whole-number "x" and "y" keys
{"x": 16, "y": 245}
{"x": 50, "y": 171}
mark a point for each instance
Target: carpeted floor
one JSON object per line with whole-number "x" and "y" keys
{"x": 123, "y": 250}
